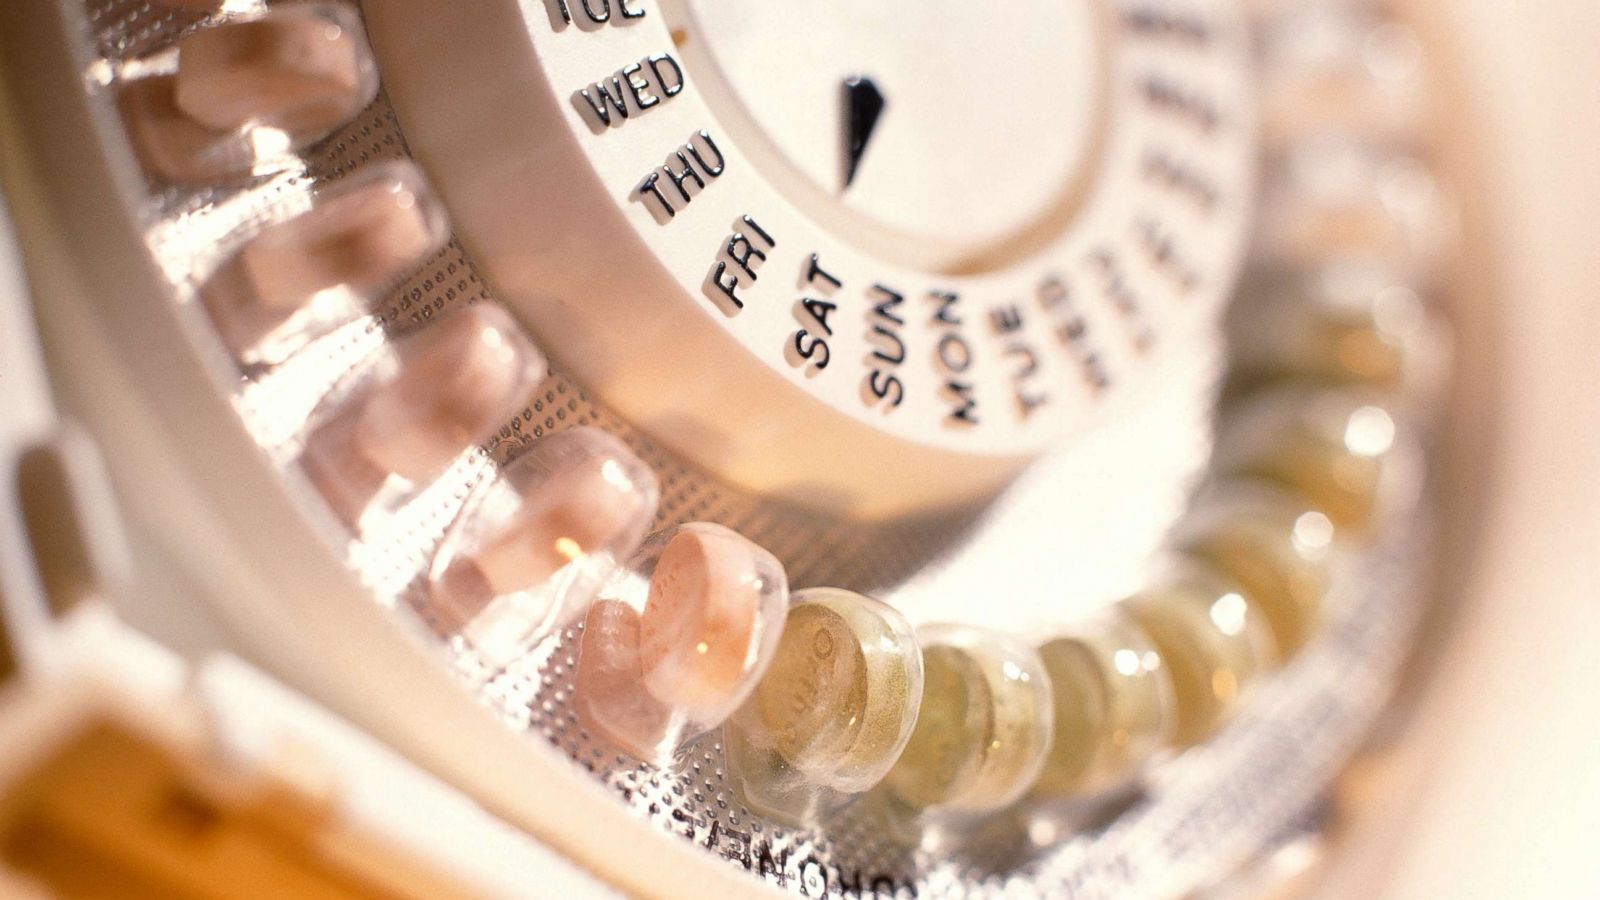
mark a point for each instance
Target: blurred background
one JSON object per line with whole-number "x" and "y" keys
{"x": 1495, "y": 790}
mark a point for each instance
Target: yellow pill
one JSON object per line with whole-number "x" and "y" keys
{"x": 812, "y": 701}
{"x": 832, "y": 713}
{"x": 1331, "y": 447}
{"x": 984, "y": 727}
{"x": 1113, "y": 707}
{"x": 1354, "y": 321}
{"x": 1275, "y": 548}
{"x": 1214, "y": 645}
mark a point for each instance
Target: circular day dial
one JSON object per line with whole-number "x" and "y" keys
{"x": 902, "y": 146}
{"x": 867, "y": 258}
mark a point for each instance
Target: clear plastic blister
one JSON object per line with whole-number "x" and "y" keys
{"x": 983, "y": 730}
{"x": 442, "y": 391}
{"x": 537, "y": 540}
{"x": 1343, "y": 450}
{"x": 832, "y": 713}
{"x": 242, "y": 97}
{"x": 1339, "y": 196}
{"x": 677, "y": 638}
{"x": 1354, "y": 321}
{"x": 1343, "y": 68}
{"x": 1215, "y": 645}
{"x": 1275, "y": 544}
{"x": 302, "y": 277}
{"x": 1114, "y": 708}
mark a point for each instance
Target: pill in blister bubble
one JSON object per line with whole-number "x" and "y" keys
{"x": 300, "y": 278}
{"x": 539, "y": 538}
{"x": 1114, "y": 708}
{"x": 248, "y": 94}
{"x": 832, "y": 713}
{"x": 1214, "y": 643}
{"x": 1350, "y": 321}
{"x": 709, "y": 606}
{"x": 984, "y": 726}
{"x": 447, "y": 389}
{"x": 301, "y": 68}
{"x": 1335, "y": 448}
{"x": 1275, "y": 545}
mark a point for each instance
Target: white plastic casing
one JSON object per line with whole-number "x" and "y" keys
{"x": 921, "y": 384}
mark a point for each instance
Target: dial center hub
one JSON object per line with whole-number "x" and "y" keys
{"x": 991, "y": 114}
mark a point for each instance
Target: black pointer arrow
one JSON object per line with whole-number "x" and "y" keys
{"x": 863, "y": 105}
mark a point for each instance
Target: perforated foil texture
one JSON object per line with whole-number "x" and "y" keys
{"x": 1198, "y": 817}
